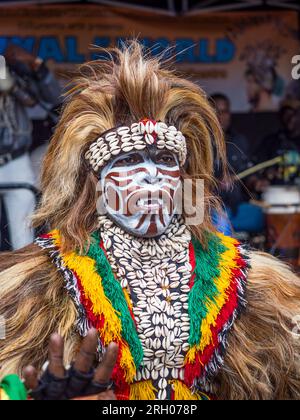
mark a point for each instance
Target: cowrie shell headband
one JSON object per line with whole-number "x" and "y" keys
{"x": 136, "y": 137}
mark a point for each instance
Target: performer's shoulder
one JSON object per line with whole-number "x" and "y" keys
{"x": 264, "y": 347}
{"x": 269, "y": 274}
{"x": 29, "y": 257}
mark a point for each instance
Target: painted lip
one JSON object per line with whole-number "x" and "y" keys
{"x": 150, "y": 204}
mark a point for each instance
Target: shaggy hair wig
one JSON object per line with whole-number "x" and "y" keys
{"x": 262, "y": 360}
{"x": 124, "y": 89}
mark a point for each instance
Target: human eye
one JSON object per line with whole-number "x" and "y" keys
{"x": 166, "y": 159}
{"x": 133, "y": 159}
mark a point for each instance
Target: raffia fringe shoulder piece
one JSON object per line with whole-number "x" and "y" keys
{"x": 216, "y": 299}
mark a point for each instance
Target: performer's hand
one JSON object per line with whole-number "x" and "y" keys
{"x": 81, "y": 381}
{"x": 14, "y": 53}
{"x": 21, "y": 60}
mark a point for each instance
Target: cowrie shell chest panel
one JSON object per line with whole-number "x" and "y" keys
{"x": 156, "y": 273}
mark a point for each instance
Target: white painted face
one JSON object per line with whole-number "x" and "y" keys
{"x": 140, "y": 191}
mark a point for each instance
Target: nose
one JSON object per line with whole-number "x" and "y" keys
{"x": 150, "y": 180}
{"x": 152, "y": 175}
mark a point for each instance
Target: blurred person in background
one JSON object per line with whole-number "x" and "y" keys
{"x": 243, "y": 216}
{"x": 28, "y": 83}
{"x": 285, "y": 140}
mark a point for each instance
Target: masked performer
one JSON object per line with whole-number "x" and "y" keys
{"x": 194, "y": 314}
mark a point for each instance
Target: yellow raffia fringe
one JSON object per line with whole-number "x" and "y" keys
{"x": 92, "y": 285}
{"x": 182, "y": 392}
{"x": 127, "y": 363}
{"x": 128, "y": 299}
{"x": 143, "y": 390}
{"x": 3, "y": 395}
{"x": 226, "y": 265}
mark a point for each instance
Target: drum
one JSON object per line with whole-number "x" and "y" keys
{"x": 283, "y": 223}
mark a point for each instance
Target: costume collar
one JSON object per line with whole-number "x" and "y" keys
{"x": 216, "y": 298}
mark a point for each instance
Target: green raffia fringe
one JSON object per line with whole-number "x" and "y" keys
{"x": 14, "y": 388}
{"x": 204, "y": 289}
{"x": 114, "y": 293}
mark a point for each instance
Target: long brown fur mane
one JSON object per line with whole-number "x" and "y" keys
{"x": 263, "y": 357}
{"x": 128, "y": 87}
{"x": 33, "y": 305}
{"x": 262, "y": 361}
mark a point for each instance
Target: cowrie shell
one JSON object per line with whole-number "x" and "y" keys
{"x": 126, "y": 138}
{"x": 149, "y": 333}
{"x": 185, "y": 347}
{"x": 118, "y": 253}
{"x": 156, "y": 319}
{"x": 141, "y": 296}
{"x": 157, "y": 332}
{"x": 174, "y": 284}
{"x": 177, "y": 342}
{"x": 147, "y": 374}
{"x": 162, "y": 395}
{"x": 140, "y": 146}
{"x": 124, "y": 283}
{"x": 149, "y": 127}
{"x": 162, "y": 128}
{"x": 179, "y": 359}
{"x": 170, "y": 311}
{"x": 128, "y": 148}
{"x": 126, "y": 144}
{"x": 164, "y": 372}
{"x": 159, "y": 366}
{"x": 156, "y": 343}
{"x": 106, "y": 157}
{"x": 185, "y": 329}
{"x": 170, "y": 323}
{"x": 137, "y": 137}
{"x": 138, "y": 376}
{"x": 96, "y": 153}
{"x": 93, "y": 146}
{"x": 131, "y": 275}
{"x": 135, "y": 127}
{"x": 142, "y": 127}
{"x": 123, "y": 130}
{"x": 161, "y": 144}
{"x": 110, "y": 136}
{"x": 154, "y": 375}
{"x": 170, "y": 145}
{"x": 148, "y": 353}
{"x": 162, "y": 383}
{"x": 115, "y": 151}
{"x": 143, "y": 305}
{"x": 170, "y": 136}
{"x": 163, "y": 318}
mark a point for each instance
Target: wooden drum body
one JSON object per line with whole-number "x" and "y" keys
{"x": 283, "y": 223}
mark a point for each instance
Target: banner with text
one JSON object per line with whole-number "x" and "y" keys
{"x": 246, "y": 56}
